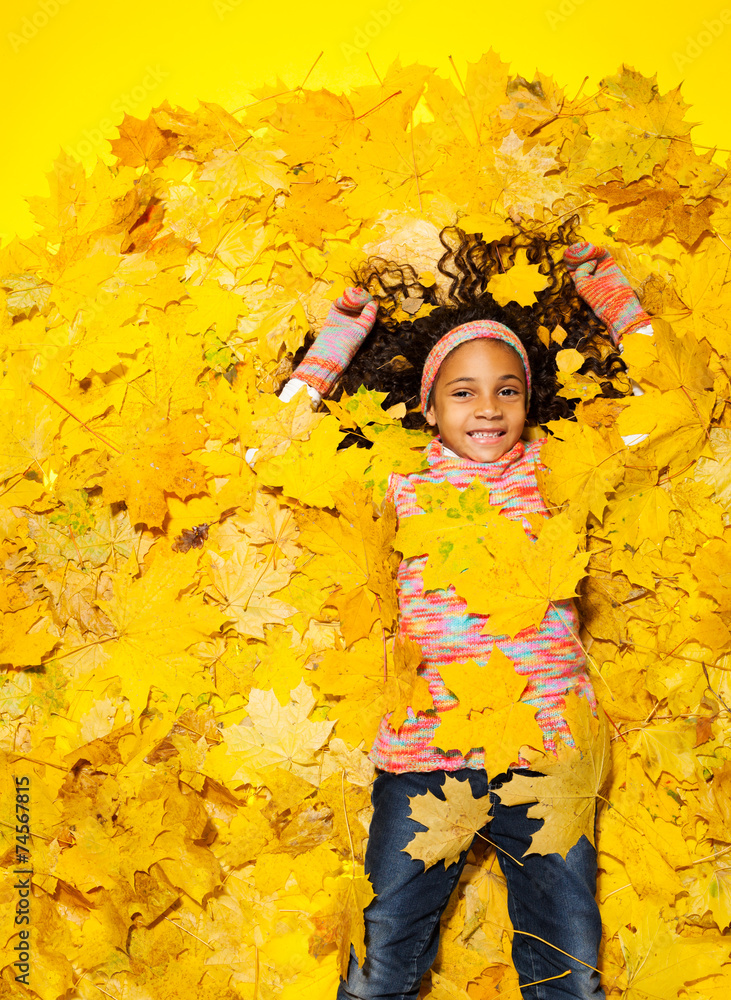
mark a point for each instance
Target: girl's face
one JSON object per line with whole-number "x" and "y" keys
{"x": 478, "y": 400}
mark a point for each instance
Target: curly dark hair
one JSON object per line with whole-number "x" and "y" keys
{"x": 392, "y": 356}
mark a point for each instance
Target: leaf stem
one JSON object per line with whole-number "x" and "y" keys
{"x": 561, "y": 975}
{"x": 98, "y": 987}
{"x": 368, "y": 57}
{"x": 464, "y": 92}
{"x": 35, "y": 760}
{"x": 689, "y": 142}
{"x": 708, "y": 857}
{"x": 347, "y": 821}
{"x": 282, "y": 93}
{"x": 413, "y": 160}
{"x": 588, "y": 655}
{"x": 556, "y": 948}
{"x": 712, "y": 689}
{"x": 103, "y": 440}
{"x": 181, "y": 928}
{"x": 498, "y": 848}
{"x": 377, "y": 106}
{"x": 41, "y": 836}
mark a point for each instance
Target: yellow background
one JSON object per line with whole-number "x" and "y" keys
{"x": 69, "y": 68}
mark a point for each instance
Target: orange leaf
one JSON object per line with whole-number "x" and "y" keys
{"x": 142, "y": 143}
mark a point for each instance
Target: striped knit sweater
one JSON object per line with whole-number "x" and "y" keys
{"x": 548, "y": 656}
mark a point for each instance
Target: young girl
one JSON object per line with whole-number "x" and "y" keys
{"x": 484, "y": 372}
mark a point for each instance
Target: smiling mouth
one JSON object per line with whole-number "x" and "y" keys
{"x": 485, "y": 435}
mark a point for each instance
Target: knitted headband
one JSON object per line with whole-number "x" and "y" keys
{"x": 461, "y": 335}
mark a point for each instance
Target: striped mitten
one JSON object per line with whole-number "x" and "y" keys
{"x": 602, "y": 285}
{"x": 346, "y": 326}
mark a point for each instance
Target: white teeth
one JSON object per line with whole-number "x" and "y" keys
{"x": 485, "y": 434}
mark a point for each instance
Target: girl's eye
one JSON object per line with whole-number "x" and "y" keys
{"x": 463, "y": 393}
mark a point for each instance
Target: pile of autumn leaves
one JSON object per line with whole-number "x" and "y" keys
{"x": 196, "y": 654}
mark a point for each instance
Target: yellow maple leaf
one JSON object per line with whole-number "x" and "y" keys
{"x": 277, "y": 735}
{"x": 242, "y": 585}
{"x": 96, "y": 340}
{"x": 703, "y": 283}
{"x": 353, "y": 682}
{"x": 667, "y": 747}
{"x": 216, "y": 306}
{"x": 142, "y": 143}
{"x": 152, "y": 464}
{"x": 636, "y": 135}
{"x": 585, "y": 466}
{"x": 313, "y": 471}
{"x": 208, "y": 128}
{"x": 667, "y": 361}
{"x": 163, "y": 382}
{"x": 519, "y": 283}
{"x": 265, "y": 422}
{"x": 27, "y": 429}
{"x": 496, "y": 720}
{"x": 405, "y": 688}
{"x": 353, "y": 553}
{"x": 321, "y": 981}
{"x": 357, "y": 613}
{"x": 565, "y": 792}
{"x": 19, "y": 646}
{"x": 716, "y": 470}
{"x": 549, "y": 571}
{"x": 281, "y": 661}
{"x": 470, "y": 115}
{"x": 395, "y": 449}
{"x": 659, "y": 961}
{"x": 714, "y": 804}
{"x": 710, "y": 891}
{"x": 246, "y": 170}
{"x": 466, "y": 538}
{"x": 640, "y": 514}
{"x": 529, "y": 181}
{"x": 676, "y": 425}
{"x": 452, "y": 821}
{"x": 154, "y": 623}
{"x": 311, "y": 212}
{"x": 457, "y": 526}
{"x": 315, "y": 123}
{"x": 342, "y": 919}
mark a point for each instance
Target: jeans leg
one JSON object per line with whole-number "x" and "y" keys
{"x": 402, "y": 922}
{"x": 553, "y": 898}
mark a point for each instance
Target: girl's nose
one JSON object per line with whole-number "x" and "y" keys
{"x": 487, "y": 406}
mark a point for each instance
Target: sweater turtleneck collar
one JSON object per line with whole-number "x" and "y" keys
{"x": 440, "y": 457}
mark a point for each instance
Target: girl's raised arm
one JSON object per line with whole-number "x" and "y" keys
{"x": 346, "y": 326}
{"x": 605, "y": 289}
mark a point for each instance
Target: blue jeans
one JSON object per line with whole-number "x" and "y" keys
{"x": 550, "y": 897}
